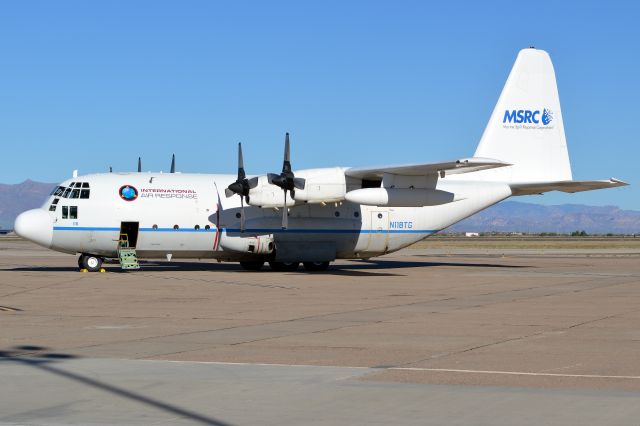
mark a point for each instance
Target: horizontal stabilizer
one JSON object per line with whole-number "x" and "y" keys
{"x": 464, "y": 165}
{"x": 564, "y": 186}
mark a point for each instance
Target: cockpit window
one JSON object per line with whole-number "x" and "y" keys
{"x": 73, "y": 191}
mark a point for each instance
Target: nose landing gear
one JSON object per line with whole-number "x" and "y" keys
{"x": 90, "y": 262}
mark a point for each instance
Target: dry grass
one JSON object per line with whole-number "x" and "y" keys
{"x": 530, "y": 242}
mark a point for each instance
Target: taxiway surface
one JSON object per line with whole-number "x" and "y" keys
{"x": 417, "y": 337}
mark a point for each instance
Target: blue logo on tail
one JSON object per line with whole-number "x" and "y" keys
{"x": 528, "y": 116}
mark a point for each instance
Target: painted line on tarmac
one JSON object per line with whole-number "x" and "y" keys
{"x": 512, "y": 373}
{"x": 433, "y": 370}
{"x": 258, "y": 364}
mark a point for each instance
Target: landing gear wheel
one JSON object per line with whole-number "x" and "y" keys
{"x": 284, "y": 266}
{"x": 315, "y": 266}
{"x": 251, "y": 266}
{"x": 90, "y": 262}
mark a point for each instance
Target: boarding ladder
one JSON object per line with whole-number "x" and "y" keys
{"x": 127, "y": 255}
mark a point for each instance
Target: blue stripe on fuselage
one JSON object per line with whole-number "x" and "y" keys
{"x": 258, "y": 230}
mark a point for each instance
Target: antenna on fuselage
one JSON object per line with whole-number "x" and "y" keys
{"x": 139, "y": 164}
{"x": 110, "y": 169}
{"x": 173, "y": 164}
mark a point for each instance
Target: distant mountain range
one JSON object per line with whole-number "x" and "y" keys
{"x": 514, "y": 216}
{"x": 508, "y": 216}
{"x": 17, "y": 198}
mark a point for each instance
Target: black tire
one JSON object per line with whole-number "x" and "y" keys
{"x": 284, "y": 266}
{"x": 251, "y": 266}
{"x": 315, "y": 266}
{"x": 90, "y": 262}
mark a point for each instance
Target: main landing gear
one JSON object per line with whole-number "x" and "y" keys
{"x": 285, "y": 266}
{"x": 90, "y": 262}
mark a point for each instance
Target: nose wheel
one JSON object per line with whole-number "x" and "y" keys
{"x": 90, "y": 262}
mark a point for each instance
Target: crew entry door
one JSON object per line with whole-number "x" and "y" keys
{"x": 130, "y": 229}
{"x": 379, "y": 233}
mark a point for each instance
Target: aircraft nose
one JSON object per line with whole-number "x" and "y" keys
{"x": 35, "y": 225}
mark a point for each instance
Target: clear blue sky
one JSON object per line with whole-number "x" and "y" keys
{"x": 89, "y": 84}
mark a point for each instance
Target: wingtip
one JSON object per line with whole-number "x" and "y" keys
{"x": 618, "y": 182}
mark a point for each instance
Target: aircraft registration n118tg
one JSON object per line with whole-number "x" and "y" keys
{"x": 317, "y": 215}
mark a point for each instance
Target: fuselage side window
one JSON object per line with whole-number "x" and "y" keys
{"x": 52, "y": 208}
{"x": 84, "y": 193}
{"x": 73, "y": 212}
{"x": 65, "y": 212}
{"x": 55, "y": 200}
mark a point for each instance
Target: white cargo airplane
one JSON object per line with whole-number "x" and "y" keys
{"x": 316, "y": 215}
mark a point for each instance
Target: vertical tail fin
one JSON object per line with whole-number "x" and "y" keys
{"x": 526, "y": 127}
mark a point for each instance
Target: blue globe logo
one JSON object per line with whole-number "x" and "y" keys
{"x": 128, "y": 193}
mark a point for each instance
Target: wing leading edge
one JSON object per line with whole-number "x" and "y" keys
{"x": 564, "y": 186}
{"x": 464, "y": 165}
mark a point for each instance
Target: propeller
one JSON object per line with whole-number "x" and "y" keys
{"x": 286, "y": 180}
{"x": 173, "y": 164}
{"x": 241, "y": 186}
{"x": 139, "y": 164}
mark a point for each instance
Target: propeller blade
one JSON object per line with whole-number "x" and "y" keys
{"x": 253, "y": 182}
{"x": 273, "y": 177}
{"x": 286, "y": 165}
{"x": 228, "y": 192}
{"x": 287, "y": 153}
{"x": 241, "y": 213}
{"x": 173, "y": 163}
{"x": 285, "y": 213}
{"x": 298, "y": 183}
{"x": 139, "y": 164}
{"x": 241, "y": 174}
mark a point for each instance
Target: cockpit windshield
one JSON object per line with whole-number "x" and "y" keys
{"x": 74, "y": 190}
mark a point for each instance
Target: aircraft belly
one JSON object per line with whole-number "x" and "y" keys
{"x": 175, "y": 241}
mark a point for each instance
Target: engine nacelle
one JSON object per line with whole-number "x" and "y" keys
{"x": 325, "y": 185}
{"x": 400, "y": 197}
{"x": 267, "y": 195}
{"x": 254, "y": 244}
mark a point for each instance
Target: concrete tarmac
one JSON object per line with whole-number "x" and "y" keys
{"x": 417, "y": 337}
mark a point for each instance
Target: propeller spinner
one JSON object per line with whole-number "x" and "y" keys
{"x": 286, "y": 180}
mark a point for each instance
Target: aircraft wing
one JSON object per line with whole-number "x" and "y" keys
{"x": 464, "y": 165}
{"x": 564, "y": 186}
